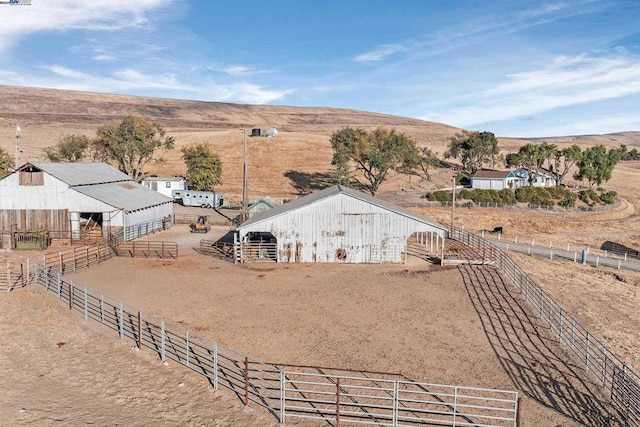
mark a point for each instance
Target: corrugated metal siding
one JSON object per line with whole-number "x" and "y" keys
{"x": 124, "y": 195}
{"x": 153, "y": 213}
{"x": 340, "y": 228}
{"x": 54, "y": 194}
{"x": 83, "y": 173}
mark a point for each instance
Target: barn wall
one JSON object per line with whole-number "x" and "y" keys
{"x": 340, "y": 229}
{"x": 53, "y": 195}
{"x": 51, "y": 219}
{"x": 151, "y": 214}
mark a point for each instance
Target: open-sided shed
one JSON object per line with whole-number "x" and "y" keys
{"x": 337, "y": 224}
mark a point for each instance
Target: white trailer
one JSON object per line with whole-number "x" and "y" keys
{"x": 204, "y": 199}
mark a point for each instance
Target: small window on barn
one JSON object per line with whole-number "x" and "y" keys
{"x": 31, "y": 178}
{"x": 167, "y": 184}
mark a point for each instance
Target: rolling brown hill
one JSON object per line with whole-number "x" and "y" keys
{"x": 295, "y": 162}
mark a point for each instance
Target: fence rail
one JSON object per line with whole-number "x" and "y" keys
{"x": 334, "y": 398}
{"x": 618, "y": 379}
{"x": 19, "y": 274}
{"x": 77, "y": 258}
{"x": 148, "y": 249}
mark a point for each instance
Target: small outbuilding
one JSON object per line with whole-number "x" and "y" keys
{"x": 337, "y": 224}
{"x": 73, "y": 200}
{"x": 165, "y": 185}
{"x": 263, "y": 204}
{"x": 495, "y": 180}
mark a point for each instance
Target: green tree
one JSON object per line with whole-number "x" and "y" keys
{"x": 7, "y": 163}
{"x": 528, "y": 156}
{"x": 204, "y": 168}
{"x": 473, "y": 149}
{"x": 547, "y": 154}
{"x": 596, "y": 164}
{"x": 373, "y": 154}
{"x": 70, "y": 148}
{"x": 132, "y": 143}
{"x": 428, "y": 160}
{"x": 566, "y": 157}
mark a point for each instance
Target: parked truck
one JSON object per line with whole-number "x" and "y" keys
{"x": 204, "y": 199}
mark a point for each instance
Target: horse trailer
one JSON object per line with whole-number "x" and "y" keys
{"x": 203, "y": 199}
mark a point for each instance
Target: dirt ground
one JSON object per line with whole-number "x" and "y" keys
{"x": 427, "y": 323}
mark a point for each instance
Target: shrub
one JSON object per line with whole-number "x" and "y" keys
{"x": 439, "y": 196}
{"x": 609, "y": 197}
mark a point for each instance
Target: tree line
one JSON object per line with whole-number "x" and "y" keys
{"x": 360, "y": 158}
{"x": 366, "y": 158}
{"x": 131, "y": 144}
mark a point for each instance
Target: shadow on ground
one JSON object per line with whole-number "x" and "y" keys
{"x": 305, "y": 182}
{"x": 529, "y": 353}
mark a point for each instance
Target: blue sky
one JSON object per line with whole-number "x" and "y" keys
{"x": 514, "y": 67}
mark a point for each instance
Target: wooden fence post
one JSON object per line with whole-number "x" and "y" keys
{"x": 70, "y": 295}
{"x": 86, "y": 304}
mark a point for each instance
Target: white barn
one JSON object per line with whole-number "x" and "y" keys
{"x": 63, "y": 198}
{"x": 165, "y": 185}
{"x": 337, "y": 224}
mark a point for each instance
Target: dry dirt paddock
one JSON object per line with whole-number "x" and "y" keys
{"x": 452, "y": 325}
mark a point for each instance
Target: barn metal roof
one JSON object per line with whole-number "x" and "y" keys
{"x": 129, "y": 195}
{"x": 75, "y": 174}
{"x": 330, "y": 192}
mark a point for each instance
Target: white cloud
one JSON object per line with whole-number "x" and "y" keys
{"x": 567, "y": 81}
{"x": 135, "y": 82}
{"x": 381, "y": 53}
{"x": 62, "y": 15}
{"x": 238, "y": 70}
{"x": 103, "y": 57}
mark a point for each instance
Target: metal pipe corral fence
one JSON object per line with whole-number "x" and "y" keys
{"x": 343, "y": 400}
{"x": 615, "y": 376}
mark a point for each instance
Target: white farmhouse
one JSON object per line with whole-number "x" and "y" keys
{"x": 165, "y": 185}
{"x": 68, "y": 199}
{"x": 337, "y": 224}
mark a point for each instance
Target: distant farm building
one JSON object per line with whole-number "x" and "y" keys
{"x": 263, "y": 204}
{"x": 79, "y": 200}
{"x": 494, "y": 180}
{"x": 538, "y": 178}
{"x": 337, "y": 224}
{"x": 498, "y": 180}
{"x": 165, "y": 185}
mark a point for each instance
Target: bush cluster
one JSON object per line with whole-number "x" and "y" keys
{"x": 543, "y": 196}
{"x": 590, "y": 197}
{"x": 439, "y": 196}
{"x": 504, "y": 196}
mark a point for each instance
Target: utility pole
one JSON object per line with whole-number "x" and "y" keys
{"x": 243, "y": 216}
{"x": 18, "y": 134}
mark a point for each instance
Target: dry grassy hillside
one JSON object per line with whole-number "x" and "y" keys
{"x": 295, "y": 162}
